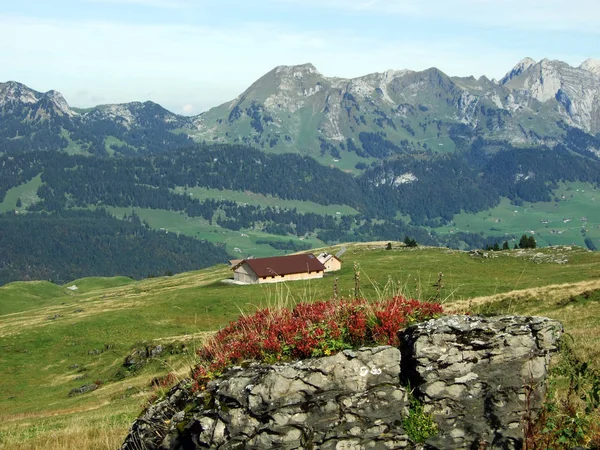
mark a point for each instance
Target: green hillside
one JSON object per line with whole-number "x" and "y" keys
{"x": 85, "y": 285}
{"x": 26, "y": 192}
{"x": 343, "y": 122}
{"x": 570, "y": 218}
{"x": 22, "y": 296}
{"x": 74, "y": 338}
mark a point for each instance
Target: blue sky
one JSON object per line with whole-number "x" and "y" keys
{"x": 190, "y": 55}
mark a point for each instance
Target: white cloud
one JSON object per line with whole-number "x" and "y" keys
{"x": 188, "y": 109}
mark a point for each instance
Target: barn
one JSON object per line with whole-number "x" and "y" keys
{"x": 278, "y": 268}
{"x": 331, "y": 262}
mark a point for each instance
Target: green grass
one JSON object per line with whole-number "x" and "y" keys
{"x": 575, "y": 200}
{"x": 22, "y": 296}
{"x": 27, "y": 192}
{"x": 253, "y": 198}
{"x": 346, "y": 162}
{"x": 88, "y": 333}
{"x": 111, "y": 140}
{"x": 243, "y": 240}
{"x": 95, "y": 283}
{"x": 72, "y": 148}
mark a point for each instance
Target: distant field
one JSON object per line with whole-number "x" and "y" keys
{"x": 244, "y": 240}
{"x": 346, "y": 162}
{"x": 72, "y": 148}
{"x": 21, "y": 296}
{"x": 252, "y": 198}
{"x": 27, "y": 192}
{"x": 553, "y": 223}
{"x": 54, "y": 339}
{"x": 89, "y": 284}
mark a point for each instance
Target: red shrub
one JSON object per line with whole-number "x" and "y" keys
{"x": 309, "y": 329}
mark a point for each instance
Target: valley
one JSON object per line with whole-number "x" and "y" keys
{"x": 569, "y": 219}
{"x": 300, "y": 160}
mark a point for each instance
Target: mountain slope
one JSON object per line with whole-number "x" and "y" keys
{"x": 33, "y": 120}
{"x": 573, "y": 91}
{"x": 423, "y": 148}
{"x": 67, "y": 341}
{"x": 295, "y": 108}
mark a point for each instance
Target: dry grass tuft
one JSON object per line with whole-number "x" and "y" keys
{"x": 545, "y": 294}
{"x": 87, "y": 432}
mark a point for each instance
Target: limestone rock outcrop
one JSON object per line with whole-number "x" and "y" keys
{"x": 478, "y": 375}
{"x": 475, "y": 376}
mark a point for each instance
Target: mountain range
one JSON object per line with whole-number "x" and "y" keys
{"x": 301, "y": 160}
{"x": 297, "y": 109}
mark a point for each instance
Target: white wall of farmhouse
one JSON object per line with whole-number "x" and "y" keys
{"x": 332, "y": 264}
{"x": 245, "y": 274}
{"x": 290, "y": 277}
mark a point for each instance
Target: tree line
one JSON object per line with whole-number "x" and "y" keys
{"x": 67, "y": 245}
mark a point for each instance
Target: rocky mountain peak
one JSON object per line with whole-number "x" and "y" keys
{"x": 576, "y": 89}
{"x": 60, "y": 103}
{"x": 519, "y": 68}
{"x": 14, "y": 92}
{"x": 591, "y": 65}
{"x": 297, "y": 71}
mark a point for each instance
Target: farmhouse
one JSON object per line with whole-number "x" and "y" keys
{"x": 331, "y": 262}
{"x": 278, "y": 268}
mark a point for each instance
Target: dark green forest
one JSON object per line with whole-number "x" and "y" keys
{"x": 66, "y": 245}
{"x": 472, "y": 179}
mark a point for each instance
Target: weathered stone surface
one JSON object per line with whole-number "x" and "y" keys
{"x": 471, "y": 373}
{"x": 349, "y": 400}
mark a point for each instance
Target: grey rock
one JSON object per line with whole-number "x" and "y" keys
{"x": 470, "y": 373}
{"x": 83, "y": 389}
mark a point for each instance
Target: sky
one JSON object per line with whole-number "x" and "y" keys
{"x": 191, "y": 55}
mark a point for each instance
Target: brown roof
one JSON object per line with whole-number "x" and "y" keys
{"x": 283, "y": 265}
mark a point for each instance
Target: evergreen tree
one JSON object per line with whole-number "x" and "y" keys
{"x": 505, "y": 246}
{"x": 19, "y": 203}
{"x": 524, "y": 241}
{"x": 590, "y": 244}
{"x": 410, "y": 242}
{"x": 527, "y": 242}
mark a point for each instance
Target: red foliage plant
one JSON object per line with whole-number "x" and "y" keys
{"x": 309, "y": 330}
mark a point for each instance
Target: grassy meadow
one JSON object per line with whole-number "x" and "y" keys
{"x": 53, "y": 339}
{"x": 252, "y": 198}
{"x": 27, "y": 192}
{"x": 572, "y": 216}
{"x": 238, "y": 243}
